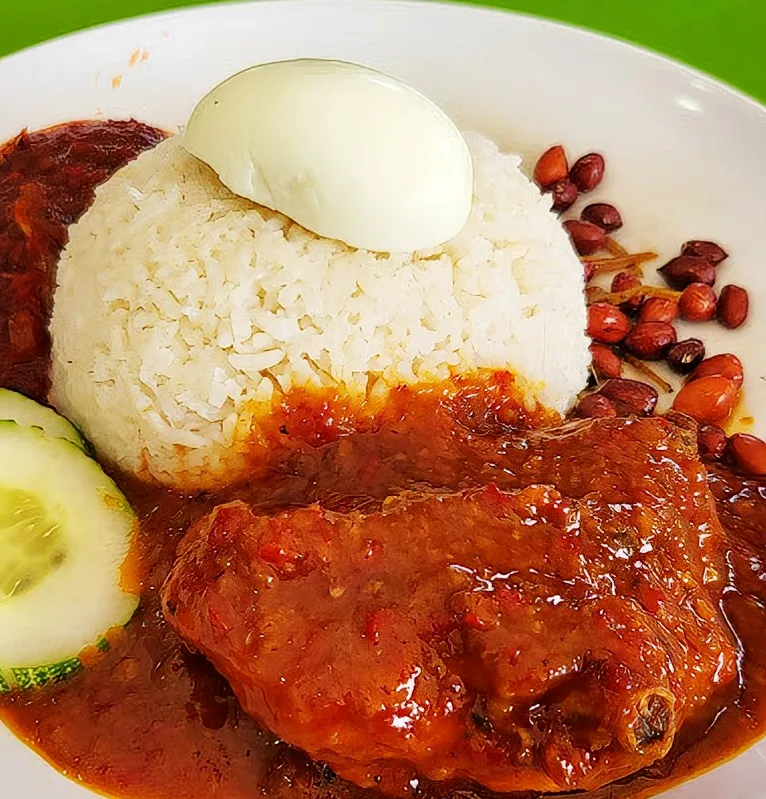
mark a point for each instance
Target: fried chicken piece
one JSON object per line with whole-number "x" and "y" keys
{"x": 554, "y": 636}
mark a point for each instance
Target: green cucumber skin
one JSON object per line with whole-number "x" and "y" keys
{"x": 43, "y": 676}
{"x": 39, "y": 677}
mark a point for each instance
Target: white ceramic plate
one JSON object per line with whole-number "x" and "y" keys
{"x": 686, "y": 155}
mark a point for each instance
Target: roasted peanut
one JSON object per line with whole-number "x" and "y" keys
{"x": 630, "y": 396}
{"x": 604, "y": 215}
{"x": 709, "y": 400}
{"x": 551, "y": 167}
{"x": 605, "y": 362}
{"x": 724, "y": 365}
{"x": 588, "y": 172}
{"x": 594, "y": 406}
{"x": 686, "y": 269}
{"x": 623, "y": 281}
{"x": 711, "y": 441}
{"x": 607, "y": 323}
{"x": 564, "y": 194}
{"x": 650, "y": 340}
{"x": 733, "y": 306}
{"x": 686, "y": 355}
{"x": 748, "y": 452}
{"x": 586, "y": 237}
{"x": 706, "y": 249}
{"x": 697, "y": 303}
{"x": 658, "y": 309}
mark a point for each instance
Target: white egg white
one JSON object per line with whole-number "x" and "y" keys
{"x": 347, "y": 152}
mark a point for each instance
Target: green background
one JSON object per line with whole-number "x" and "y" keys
{"x": 723, "y": 37}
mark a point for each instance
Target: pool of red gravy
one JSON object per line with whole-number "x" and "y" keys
{"x": 148, "y": 719}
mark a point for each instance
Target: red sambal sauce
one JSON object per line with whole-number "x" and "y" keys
{"x": 47, "y": 180}
{"x": 148, "y": 719}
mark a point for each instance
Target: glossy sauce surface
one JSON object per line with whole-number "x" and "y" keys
{"x": 149, "y": 719}
{"x": 550, "y": 630}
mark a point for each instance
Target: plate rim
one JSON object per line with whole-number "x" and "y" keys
{"x": 437, "y": 6}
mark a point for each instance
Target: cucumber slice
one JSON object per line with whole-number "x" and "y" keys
{"x": 26, "y": 679}
{"x": 65, "y": 531}
{"x": 15, "y": 407}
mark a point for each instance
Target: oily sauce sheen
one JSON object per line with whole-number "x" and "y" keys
{"x": 149, "y": 719}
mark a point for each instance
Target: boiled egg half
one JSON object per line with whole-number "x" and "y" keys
{"x": 347, "y": 152}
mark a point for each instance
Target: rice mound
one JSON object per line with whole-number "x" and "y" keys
{"x": 183, "y": 312}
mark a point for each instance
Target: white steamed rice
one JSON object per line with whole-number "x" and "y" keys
{"x": 183, "y": 311}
